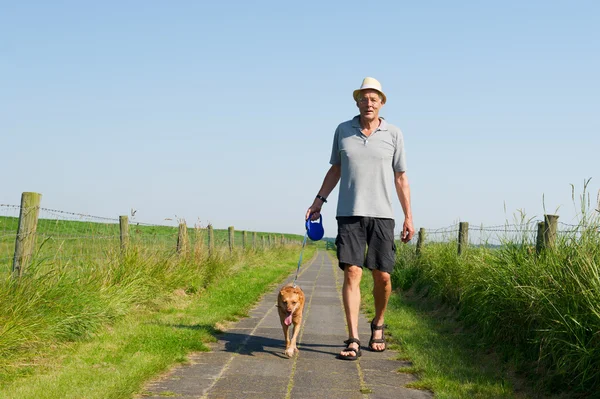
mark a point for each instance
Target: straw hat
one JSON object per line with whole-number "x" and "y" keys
{"x": 369, "y": 83}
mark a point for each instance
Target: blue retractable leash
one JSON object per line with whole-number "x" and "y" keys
{"x": 314, "y": 231}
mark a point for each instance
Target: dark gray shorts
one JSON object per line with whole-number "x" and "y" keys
{"x": 357, "y": 234}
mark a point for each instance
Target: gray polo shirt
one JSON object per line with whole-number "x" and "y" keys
{"x": 367, "y": 166}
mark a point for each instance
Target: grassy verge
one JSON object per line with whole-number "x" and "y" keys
{"x": 441, "y": 352}
{"x": 539, "y": 312}
{"x": 101, "y": 332}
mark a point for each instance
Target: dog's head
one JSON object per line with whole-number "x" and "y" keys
{"x": 289, "y": 298}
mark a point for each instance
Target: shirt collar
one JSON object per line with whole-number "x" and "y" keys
{"x": 383, "y": 125}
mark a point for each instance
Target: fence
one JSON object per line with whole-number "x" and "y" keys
{"x": 541, "y": 234}
{"x": 28, "y": 231}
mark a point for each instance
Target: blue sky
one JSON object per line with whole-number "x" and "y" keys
{"x": 224, "y": 112}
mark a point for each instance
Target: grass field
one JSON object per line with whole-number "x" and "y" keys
{"x": 72, "y": 240}
{"x": 95, "y": 322}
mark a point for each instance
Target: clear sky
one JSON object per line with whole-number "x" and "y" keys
{"x": 223, "y": 112}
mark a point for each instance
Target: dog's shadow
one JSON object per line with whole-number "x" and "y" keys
{"x": 249, "y": 345}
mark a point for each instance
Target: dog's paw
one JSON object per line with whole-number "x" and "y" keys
{"x": 290, "y": 352}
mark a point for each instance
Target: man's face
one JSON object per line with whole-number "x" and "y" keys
{"x": 369, "y": 103}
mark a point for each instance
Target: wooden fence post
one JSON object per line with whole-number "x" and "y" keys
{"x": 231, "y": 239}
{"x": 551, "y": 224}
{"x": 211, "y": 240}
{"x": 124, "y": 226}
{"x": 420, "y": 240}
{"x": 262, "y": 239}
{"x": 254, "y": 240}
{"x": 539, "y": 240}
{"x": 244, "y": 239}
{"x": 182, "y": 239}
{"x": 463, "y": 236}
{"x": 25, "y": 241}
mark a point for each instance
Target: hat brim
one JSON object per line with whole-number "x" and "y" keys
{"x": 357, "y": 92}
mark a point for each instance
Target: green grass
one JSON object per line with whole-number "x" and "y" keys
{"x": 440, "y": 351}
{"x": 103, "y": 330}
{"x": 81, "y": 241}
{"x": 88, "y": 320}
{"x": 539, "y": 313}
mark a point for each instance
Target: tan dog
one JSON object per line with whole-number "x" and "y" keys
{"x": 290, "y": 303}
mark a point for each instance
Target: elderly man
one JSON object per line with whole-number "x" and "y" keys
{"x": 367, "y": 156}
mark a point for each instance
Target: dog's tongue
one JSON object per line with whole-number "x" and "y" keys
{"x": 288, "y": 320}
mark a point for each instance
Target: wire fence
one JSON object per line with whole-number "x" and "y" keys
{"x": 523, "y": 233}
{"x": 69, "y": 237}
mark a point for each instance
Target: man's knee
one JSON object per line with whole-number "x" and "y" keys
{"x": 352, "y": 273}
{"x": 381, "y": 278}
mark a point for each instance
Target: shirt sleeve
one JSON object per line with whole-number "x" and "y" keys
{"x": 399, "y": 162}
{"x": 335, "y": 149}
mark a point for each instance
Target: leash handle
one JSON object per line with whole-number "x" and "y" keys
{"x": 309, "y": 220}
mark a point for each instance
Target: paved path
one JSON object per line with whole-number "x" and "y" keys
{"x": 248, "y": 362}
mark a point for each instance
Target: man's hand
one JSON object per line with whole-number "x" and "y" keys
{"x": 408, "y": 231}
{"x": 314, "y": 211}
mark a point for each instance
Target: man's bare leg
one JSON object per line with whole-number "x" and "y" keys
{"x": 382, "y": 289}
{"x": 351, "y": 298}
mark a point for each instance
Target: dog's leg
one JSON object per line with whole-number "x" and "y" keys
{"x": 293, "y": 348}
{"x": 286, "y": 334}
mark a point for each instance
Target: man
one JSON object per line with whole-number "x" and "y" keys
{"x": 367, "y": 156}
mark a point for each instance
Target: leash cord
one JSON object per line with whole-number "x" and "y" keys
{"x": 300, "y": 260}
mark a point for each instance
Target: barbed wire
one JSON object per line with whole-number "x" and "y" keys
{"x": 502, "y": 229}
{"x": 568, "y": 224}
{"x": 66, "y": 215}
{"x": 485, "y": 233}
{"x": 58, "y": 213}
{"x": 73, "y": 237}
{"x": 452, "y": 226}
{"x": 10, "y": 206}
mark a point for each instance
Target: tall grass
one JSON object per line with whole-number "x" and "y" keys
{"x": 543, "y": 311}
{"x": 58, "y": 301}
{"x": 63, "y": 240}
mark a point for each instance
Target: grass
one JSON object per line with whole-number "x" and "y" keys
{"x": 77, "y": 241}
{"x": 99, "y": 327}
{"x": 442, "y": 357}
{"x": 539, "y": 313}
{"x": 114, "y": 360}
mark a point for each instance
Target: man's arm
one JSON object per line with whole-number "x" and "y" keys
{"x": 329, "y": 182}
{"x": 403, "y": 191}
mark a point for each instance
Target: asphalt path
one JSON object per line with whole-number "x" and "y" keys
{"x": 248, "y": 361}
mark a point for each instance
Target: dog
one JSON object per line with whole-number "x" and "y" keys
{"x": 290, "y": 304}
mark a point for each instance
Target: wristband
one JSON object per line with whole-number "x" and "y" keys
{"x": 321, "y": 198}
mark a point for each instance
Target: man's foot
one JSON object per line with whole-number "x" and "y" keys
{"x": 377, "y": 341}
{"x": 352, "y": 350}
